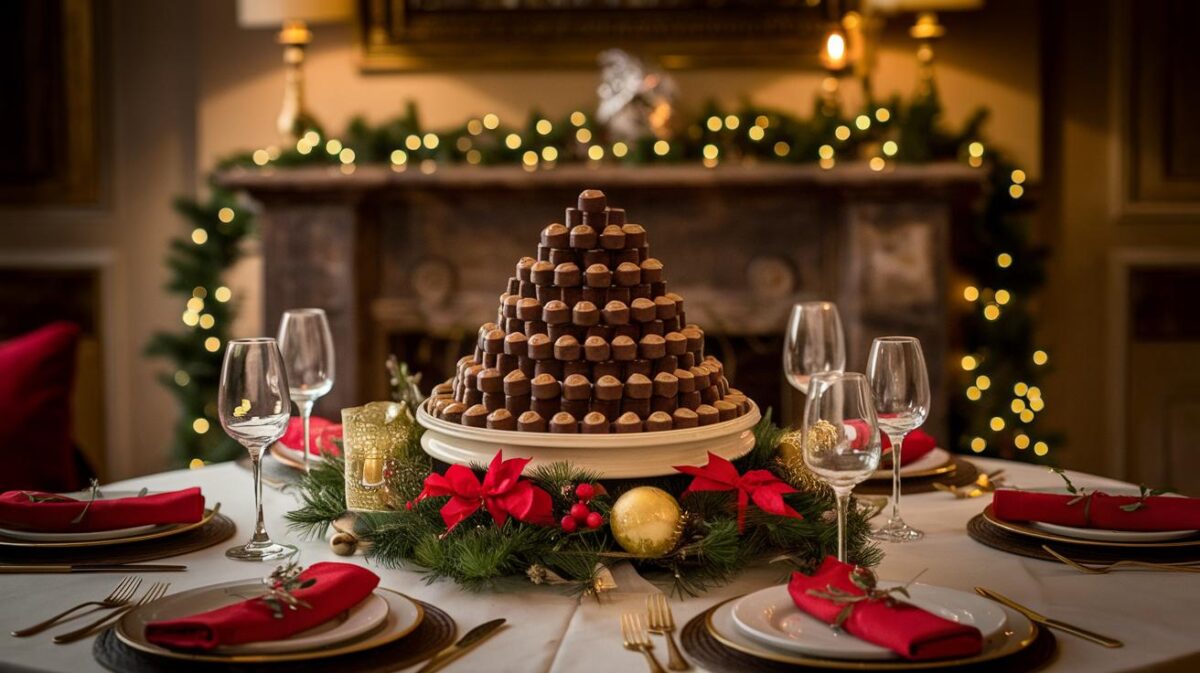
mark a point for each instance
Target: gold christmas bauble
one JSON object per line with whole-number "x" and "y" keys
{"x": 791, "y": 457}
{"x": 646, "y": 521}
{"x": 791, "y": 448}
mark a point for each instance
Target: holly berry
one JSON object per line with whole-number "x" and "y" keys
{"x": 585, "y": 492}
{"x": 594, "y": 520}
{"x": 568, "y": 524}
{"x": 580, "y": 511}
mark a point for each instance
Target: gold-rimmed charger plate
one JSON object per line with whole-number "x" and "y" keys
{"x": 389, "y": 632}
{"x": 287, "y": 459}
{"x": 1019, "y": 634}
{"x": 153, "y": 535}
{"x": 1030, "y": 531}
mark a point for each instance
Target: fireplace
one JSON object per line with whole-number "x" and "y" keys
{"x": 411, "y": 263}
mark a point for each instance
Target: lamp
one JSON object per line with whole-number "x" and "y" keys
{"x": 293, "y": 17}
{"x": 926, "y": 30}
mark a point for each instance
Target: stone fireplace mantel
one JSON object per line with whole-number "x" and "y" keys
{"x": 414, "y": 261}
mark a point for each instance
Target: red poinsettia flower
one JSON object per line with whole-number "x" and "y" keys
{"x": 502, "y": 492}
{"x": 764, "y": 488}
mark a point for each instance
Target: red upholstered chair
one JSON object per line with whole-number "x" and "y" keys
{"x": 37, "y": 372}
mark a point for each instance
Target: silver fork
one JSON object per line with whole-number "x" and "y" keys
{"x": 117, "y": 598}
{"x": 662, "y": 622}
{"x": 155, "y": 592}
{"x": 1104, "y": 569}
{"x": 634, "y": 635}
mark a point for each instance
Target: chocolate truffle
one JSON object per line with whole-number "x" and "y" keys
{"x": 567, "y": 274}
{"x": 635, "y": 235}
{"x": 612, "y": 238}
{"x": 471, "y": 375}
{"x": 726, "y": 411}
{"x": 501, "y": 419}
{"x": 493, "y": 343}
{"x": 583, "y": 237}
{"x": 627, "y": 274}
{"x": 594, "y": 423}
{"x": 556, "y": 312}
{"x": 566, "y": 347}
{"x": 555, "y": 236}
{"x": 608, "y": 388}
{"x": 516, "y": 344}
{"x": 666, "y": 385}
{"x": 687, "y": 382}
{"x": 476, "y": 416}
{"x": 652, "y": 347}
{"x": 489, "y": 381}
{"x": 524, "y": 267}
{"x": 643, "y": 310}
{"x": 585, "y": 314}
{"x": 685, "y": 418}
{"x": 516, "y": 383}
{"x": 563, "y": 422}
{"x": 658, "y": 421}
{"x": 664, "y": 307}
{"x": 542, "y": 273}
{"x": 576, "y": 387}
{"x": 701, "y": 375}
{"x": 627, "y": 422}
{"x": 595, "y": 349}
{"x": 592, "y": 201}
{"x": 510, "y": 305}
{"x": 638, "y": 387}
{"x": 707, "y": 414}
{"x": 545, "y": 387}
{"x": 598, "y": 275}
{"x": 453, "y": 412}
{"x": 528, "y": 308}
{"x": 623, "y": 348}
{"x": 616, "y": 313}
{"x": 531, "y": 421}
{"x": 540, "y": 347}
{"x": 652, "y": 270}
{"x": 676, "y": 343}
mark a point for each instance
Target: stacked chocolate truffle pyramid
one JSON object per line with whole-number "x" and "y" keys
{"x": 588, "y": 339}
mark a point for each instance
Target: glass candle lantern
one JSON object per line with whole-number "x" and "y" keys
{"x": 373, "y": 436}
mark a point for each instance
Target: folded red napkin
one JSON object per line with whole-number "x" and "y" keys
{"x": 904, "y": 629}
{"x": 52, "y": 513}
{"x": 1098, "y": 510}
{"x": 916, "y": 444}
{"x": 321, "y": 434}
{"x": 338, "y": 587}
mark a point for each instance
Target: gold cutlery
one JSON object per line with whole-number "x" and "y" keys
{"x": 118, "y": 597}
{"x": 662, "y": 622}
{"x": 1181, "y": 567}
{"x": 635, "y": 637}
{"x": 984, "y": 483}
{"x": 12, "y": 569}
{"x": 1046, "y": 621}
{"x": 155, "y": 592}
{"x": 465, "y": 644}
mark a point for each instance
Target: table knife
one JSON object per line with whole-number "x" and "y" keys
{"x": 1046, "y": 621}
{"x": 91, "y": 568}
{"x": 465, "y": 644}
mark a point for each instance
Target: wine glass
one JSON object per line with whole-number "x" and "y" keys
{"x": 307, "y": 348}
{"x": 814, "y": 343}
{"x": 900, "y": 386}
{"x": 254, "y": 408}
{"x": 840, "y": 437}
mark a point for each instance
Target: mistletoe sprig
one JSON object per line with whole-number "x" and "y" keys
{"x": 1085, "y": 495}
{"x": 864, "y": 579}
{"x": 1143, "y": 493}
{"x": 280, "y": 584}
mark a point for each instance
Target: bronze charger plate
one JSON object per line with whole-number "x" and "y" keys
{"x": 984, "y": 532}
{"x": 175, "y": 529}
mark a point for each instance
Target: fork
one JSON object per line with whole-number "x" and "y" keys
{"x": 119, "y": 597}
{"x": 1105, "y": 569}
{"x": 155, "y": 592}
{"x": 662, "y": 622}
{"x": 634, "y": 635}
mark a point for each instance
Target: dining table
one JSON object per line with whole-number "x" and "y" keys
{"x": 1156, "y": 614}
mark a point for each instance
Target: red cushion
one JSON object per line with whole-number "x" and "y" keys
{"x": 37, "y": 371}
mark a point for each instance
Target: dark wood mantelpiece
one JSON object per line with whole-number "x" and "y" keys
{"x": 393, "y": 253}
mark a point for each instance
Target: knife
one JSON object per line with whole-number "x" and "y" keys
{"x": 1046, "y": 621}
{"x": 465, "y": 644}
{"x": 90, "y": 568}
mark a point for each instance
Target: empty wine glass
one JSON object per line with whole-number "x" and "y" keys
{"x": 307, "y": 348}
{"x": 900, "y": 386}
{"x": 840, "y": 437}
{"x": 814, "y": 343}
{"x": 254, "y": 409}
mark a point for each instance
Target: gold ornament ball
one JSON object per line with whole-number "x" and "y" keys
{"x": 791, "y": 449}
{"x": 344, "y": 544}
{"x": 645, "y": 521}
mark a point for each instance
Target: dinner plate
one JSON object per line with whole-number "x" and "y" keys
{"x": 937, "y": 461}
{"x": 35, "y": 536}
{"x": 1105, "y": 534}
{"x": 402, "y": 616}
{"x": 1027, "y": 529}
{"x": 155, "y": 532}
{"x": 1018, "y": 634}
{"x": 295, "y": 456}
{"x": 771, "y": 617}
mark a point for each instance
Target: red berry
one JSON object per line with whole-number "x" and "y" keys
{"x": 585, "y": 492}
{"x": 594, "y": 520}
{"x": 568, "y": 524}
{"x": 580, "y": 511}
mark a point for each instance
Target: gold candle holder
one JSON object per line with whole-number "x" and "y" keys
{"x": 372, "y": 437}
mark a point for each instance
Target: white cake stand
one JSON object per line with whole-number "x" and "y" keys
{"x": 612, "y": 456}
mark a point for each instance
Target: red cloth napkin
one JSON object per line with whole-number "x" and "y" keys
{"x": 916, "y": 444}
{"x": 1104, "y": 511}
{"x": 905, "y": 629}
{"x": 321, "y": 434}
{"x": 52, "y": 513}
{"x": 339, "y": 587}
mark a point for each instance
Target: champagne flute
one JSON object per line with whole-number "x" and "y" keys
{"x": 254, "y": 408}
{"x": 840, "y": 437}
{"x": 814, "y": 343}
{"x": 900, "y": 386}
{"x": 307, "y": 348}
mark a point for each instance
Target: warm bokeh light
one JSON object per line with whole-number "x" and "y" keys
{"x": 1040, "y": 357}
{"x": 1021, "y": 441}
{"x": 1002, "y": 297}
{"x": 333, "y": 146}
{"x": 991, "y": 311}
{"x": 200, "y": 426}
{"x": 1041, "y": 448}
{"x": 550, "y": 153}
{"x": 970, "y": 293}
{"x": 711, "y": 151}
{"x": 512, "y": 141}
{"x": 491, "y": 122}
{"x": 430, "y": 141}
{"x": 756, "y": 133}
{"x": 182, "y": 378}
{"x": 212, "y": 344}
{"x": 662, "y": 147}
{"x": 890, "y": 148}
{"x": 578, "y": 118}
{"x": 978, "y": 444}
{"x": 883, "y": 114}
{"x": 983, "y": 381}
{"x": 969, "y": 363}
{"x": 996, "y": 424}
{"x": 222, "y": 294}
{"x": 595, "y": 153}
{"x": 620, "y": 149}
{"x": 1004, "y": 260}
{"x": 583, "y": 135}
{"x": 199, "y": 236}
{"x": 973, "y": 394}
{"x": 841, "y": 132}
{"x": 732, "y": 122}
{"x": 863, "y": 122}
{"x": 399, "y": 157}
{"x": 544, "y": 127}
{"x": 782, "y": 149}
{"x": 346, "y": 156}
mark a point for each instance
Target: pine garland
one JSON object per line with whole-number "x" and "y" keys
{"x": 477, "y": 554}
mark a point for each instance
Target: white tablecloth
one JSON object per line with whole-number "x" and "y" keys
{"x": 1154, "y": 613}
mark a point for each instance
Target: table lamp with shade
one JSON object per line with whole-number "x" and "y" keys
{"x": 293, "y": 18}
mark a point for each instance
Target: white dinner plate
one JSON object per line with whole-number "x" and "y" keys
{"x": 771, "y": 617}
{"x": 1018, "y": 633}
{"x": 115, "y": 534}
{"x": 379, "y": 619}
{"x": 296, "y": 455}
{"x": 1104, "y": 534}
{"x": 936, "y": 461}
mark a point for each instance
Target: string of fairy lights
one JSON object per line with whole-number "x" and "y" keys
{"x": 881, "y": 136}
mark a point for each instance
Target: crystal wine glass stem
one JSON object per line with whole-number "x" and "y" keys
{"x": 306, "y": 408}
{"x": 260, "y": 529}
{"x": 843, "y": 503}
{"x": 897, "y": 442}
